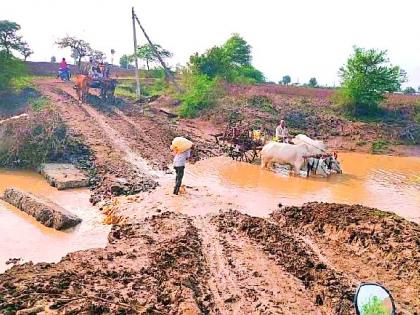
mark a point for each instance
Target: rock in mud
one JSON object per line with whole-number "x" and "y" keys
{"x": 43, "y": 210}
{"x": 63, "y": 176}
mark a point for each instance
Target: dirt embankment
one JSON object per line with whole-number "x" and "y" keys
{"x": 227, "y": 263}
{"x": 311, "y": 111}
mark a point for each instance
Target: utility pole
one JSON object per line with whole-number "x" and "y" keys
{"x": 133, "y": 16}
{"x": 168, "y": 72}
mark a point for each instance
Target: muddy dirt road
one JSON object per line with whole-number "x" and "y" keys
{"x": 229, "y": 263}
{"x": 129, "y": 146}
{"x": 299, "y": 260}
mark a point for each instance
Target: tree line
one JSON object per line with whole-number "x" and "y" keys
{"x": 366, "y": 77}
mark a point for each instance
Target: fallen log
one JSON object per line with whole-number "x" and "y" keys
{"x": 43, "y": 210}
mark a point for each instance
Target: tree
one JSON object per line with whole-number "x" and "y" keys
{"x": 286, "y": 80}
{"x": 9, "y": 40}
{"x": 26, "y": 51}
{"x": 79, "y": 47}
{"x": 418, "y": 89}
{"x": 366, "y": 78}
{"x": 125, "y": 61}
{"x": 53, "y": 59}
{"x": 409, "y": 90}
{"x": 112, "y": 56}
{"x": 313, "y": 82}
{"x": 238, "y": 50}
{"x": 147, "y": 54}
{"x": 230, "y": 62}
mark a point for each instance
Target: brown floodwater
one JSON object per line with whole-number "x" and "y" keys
{"x": 385, "y": 182}
{"x": 23, "y": 237}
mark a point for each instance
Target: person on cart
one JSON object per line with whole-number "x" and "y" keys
{"x": 282, "y": 133}
{"x": 95, "y": 74}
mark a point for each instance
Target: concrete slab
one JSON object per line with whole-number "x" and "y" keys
{"x": 43, "y": 210}
{"x": 63, "y": 176}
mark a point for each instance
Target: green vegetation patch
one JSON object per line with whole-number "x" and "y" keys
{"x": 380, "y": 146}
{"x": 263, "y": 103}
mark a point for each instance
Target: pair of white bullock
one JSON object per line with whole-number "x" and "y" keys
{"x": 298, "y": 154}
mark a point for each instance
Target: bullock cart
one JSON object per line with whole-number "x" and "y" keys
{"x": 239, "y": 142}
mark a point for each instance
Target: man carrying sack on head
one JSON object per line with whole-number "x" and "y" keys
{"x": 181, "y": 148}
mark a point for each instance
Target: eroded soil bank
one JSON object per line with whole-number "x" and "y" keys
{"x": 304, "y": 260}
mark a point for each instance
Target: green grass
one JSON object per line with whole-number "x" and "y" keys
{"x": 125, "y": 91}
{"x": 27, "y": 81}
{"x": 379, "y": 146}
{"x": 39, "y": 103}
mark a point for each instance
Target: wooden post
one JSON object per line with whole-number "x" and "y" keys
{"x": 135, "y": 54}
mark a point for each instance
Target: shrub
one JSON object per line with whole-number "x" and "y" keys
{"x": 43, "y": 138}
{"x": 247, "y": 75}
{"x": 200, "y": 93}
{"x": 379, "y": 146}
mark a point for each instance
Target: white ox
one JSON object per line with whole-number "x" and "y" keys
{"x": 315, "y": 146}
{"x": 284, "y": 153}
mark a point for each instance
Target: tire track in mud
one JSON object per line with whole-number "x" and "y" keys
{"x": 120, "y": 169}
{"x": 152, "y": 267}
{"x": 367, "y": 244}
{"x": 244, "y": 280}
{"x": 112, "y": 135}
{"x": 119, "y": 142}
{"x": 329, "y": 290}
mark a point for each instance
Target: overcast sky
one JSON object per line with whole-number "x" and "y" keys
{"x": 302, "y": 38}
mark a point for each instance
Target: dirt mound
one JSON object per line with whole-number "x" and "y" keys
{"x": 379, "y": 246}
{"x": 330, "y": 289}
{"x": 152, "y": 267}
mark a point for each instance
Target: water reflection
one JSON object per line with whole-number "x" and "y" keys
{"x": 384, "y": 182}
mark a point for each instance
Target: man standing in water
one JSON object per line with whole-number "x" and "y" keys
{"x": 282, "y": 133}
{"x": 180, "y": 160}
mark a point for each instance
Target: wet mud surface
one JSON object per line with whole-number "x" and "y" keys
{"x": 366, "y": 243}
{"x": 225, "y": 263}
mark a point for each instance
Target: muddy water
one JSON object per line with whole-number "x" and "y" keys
{"x": 384, "y": 182}
{"x": 23, "y": 237}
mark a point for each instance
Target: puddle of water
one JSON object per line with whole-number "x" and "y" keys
{"x": 384, "y": 182}
{"x": 24, "y": 237}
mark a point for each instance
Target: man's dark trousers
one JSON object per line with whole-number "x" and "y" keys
{"x": 179, "y": 175}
